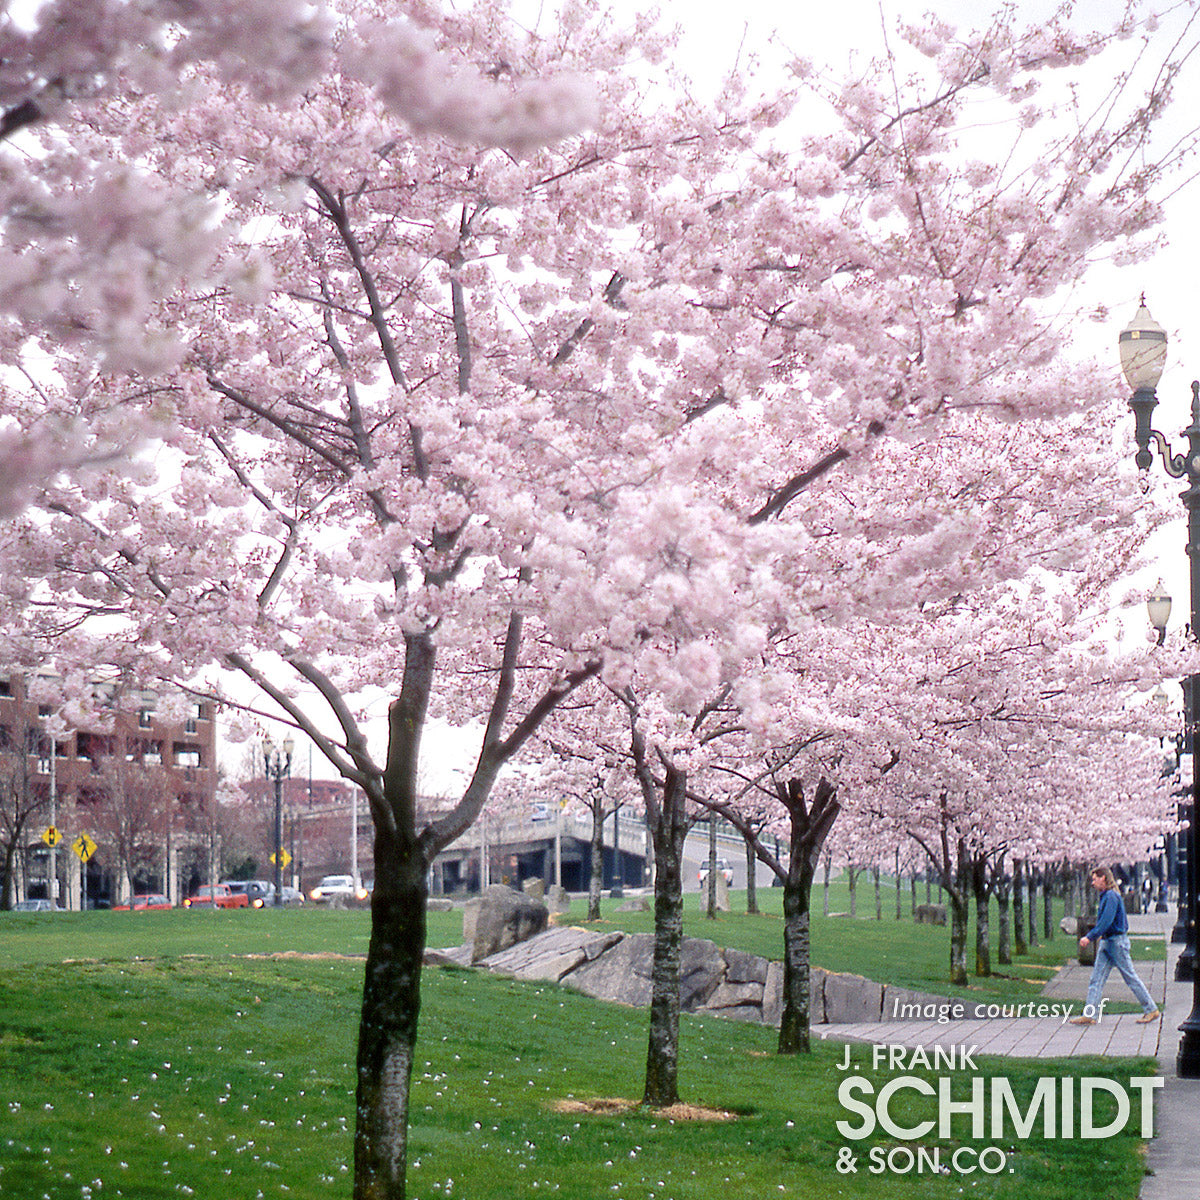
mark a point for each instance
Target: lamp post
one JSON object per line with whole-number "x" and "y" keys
{"x": 277, "y": 762}
{"x": 1175, "y": 850}
{"x": 1143, "y": 347}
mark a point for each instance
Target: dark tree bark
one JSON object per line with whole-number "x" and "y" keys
{"x": 596, "y": 878}
{"x": 959, "y": 916}
{"x": 1002, "y": 885}
{"x": 391, "y": 1000}
{"x": 956, "y": 886}
{"x": 809, "y": 829}
{"x": 710, "y": 882}
{"x": 391, "y": 1006}
{"x": 662, "y": 1052}
{"x": 1018, "y": 900}
{"x": 979, "y": 885}
{"x": 1047, "y": 906}
{"x": 751, "y": 881}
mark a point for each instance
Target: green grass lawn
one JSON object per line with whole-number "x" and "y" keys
{"x": 891, "y": 951}
{"x": 177, "y": 1056}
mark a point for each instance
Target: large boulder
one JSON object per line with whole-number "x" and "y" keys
{"x": 505, "y": 918}
{"x": 851, "y": 999}
{"x": 621, "y": 974}
{"x": 772, "y": 1005}
{"x": 558, "y": 899}
{"x": 553, "y": 954}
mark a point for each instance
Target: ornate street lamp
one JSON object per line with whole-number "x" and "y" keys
{"x": 1159, "y": 608}
{"x": 1143, "y": 346}
{"x": 277, "y": 762}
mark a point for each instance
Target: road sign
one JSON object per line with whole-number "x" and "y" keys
{"x": 52, "y": 836}
{"x": 284, "y": 858}
{"x": 84, "y": 847}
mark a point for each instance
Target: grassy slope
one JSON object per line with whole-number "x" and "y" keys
{"x": 166, "y": 1062}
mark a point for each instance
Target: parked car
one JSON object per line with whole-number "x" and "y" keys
{"x": 338, "y": 888}
{"x": 722, "y": 866}
{"x": 289, "y": 895}
{"x": 256, "y": 891}
{"x": 220, "y": 895}
{"x": 146, "y": 900}
{"x": 35, "y": 906}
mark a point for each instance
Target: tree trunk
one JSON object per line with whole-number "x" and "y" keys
{"x": 828, "y": 864}
{"x": 751, "y": 882}
{"x": 1018, "y": 901}
{"x": 983, "y": 956}
{"x": 852, "y": 875}
{"x": 388, "y": 1027}
{"x": 1047, "y": 907}
{"x": 662, "y": 1053}
{"x": 1003, "y": 927}
{"x": 878, "y": 893}
{"x": 596, "y": 881}
{"x": 7, "y": 894}
{"x": 1031, "y": 880}
{"x": 810, "y": 827}
{"x": 959, "y": 915}
{"x": 794, "y": 1021}
{"x": 710, "y": 882}
{"x": 958, "y": 893}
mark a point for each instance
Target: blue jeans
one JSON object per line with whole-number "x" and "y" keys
{"x": 1114, "y": 952}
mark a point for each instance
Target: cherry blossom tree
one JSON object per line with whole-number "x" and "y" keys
{"x": 92, "y": 239}
{"x": 484, "y": 427}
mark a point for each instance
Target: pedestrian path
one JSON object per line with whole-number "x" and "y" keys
{"x": 1050, "y": 1036}
{"x": 1172, "y": 1161}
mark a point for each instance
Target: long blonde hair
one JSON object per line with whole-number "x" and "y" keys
{"x": 1109, "y": 879}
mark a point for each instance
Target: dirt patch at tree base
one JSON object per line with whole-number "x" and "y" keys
{"x": 607, "y": 1105}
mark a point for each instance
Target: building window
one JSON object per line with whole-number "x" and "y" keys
{"x": 145, "y": 717}
{"x": 5, "y": 687}
{"x": 185, "y": 754}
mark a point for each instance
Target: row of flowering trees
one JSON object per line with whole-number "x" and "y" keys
{"x": 760, "y": 447}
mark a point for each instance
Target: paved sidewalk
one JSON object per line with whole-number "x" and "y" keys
{"x": 1173, "y": 1160}
{"x": 1173, "y": 1156}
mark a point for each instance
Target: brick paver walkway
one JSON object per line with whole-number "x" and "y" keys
{"x": 1173, "y": 1160}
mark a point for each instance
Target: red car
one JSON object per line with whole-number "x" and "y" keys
{"x": 219, "y": 894}
{"x": 141, "y": 903}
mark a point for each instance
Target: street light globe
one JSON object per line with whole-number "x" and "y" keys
{"x": 1143, "y": 346}
{"x": 1159, "y": 607}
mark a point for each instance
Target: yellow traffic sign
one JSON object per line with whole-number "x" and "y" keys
{"x": 284, "y": 858}
{"x": 52, "y": 836}
{"x": 84, "y": 847}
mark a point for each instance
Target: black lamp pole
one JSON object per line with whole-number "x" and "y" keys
{"x": 1143, "y": 345}
{"x": 278, "y": 764}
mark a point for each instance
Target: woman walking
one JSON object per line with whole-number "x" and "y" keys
{"x": 1111, "y": 931}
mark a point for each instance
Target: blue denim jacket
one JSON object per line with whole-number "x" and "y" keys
{"x": 1110, "y": 917}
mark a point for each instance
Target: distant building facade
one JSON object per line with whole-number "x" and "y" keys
{"x": 66, "y": 779}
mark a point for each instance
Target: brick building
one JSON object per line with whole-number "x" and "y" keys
{"x": 71, "y": 791}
